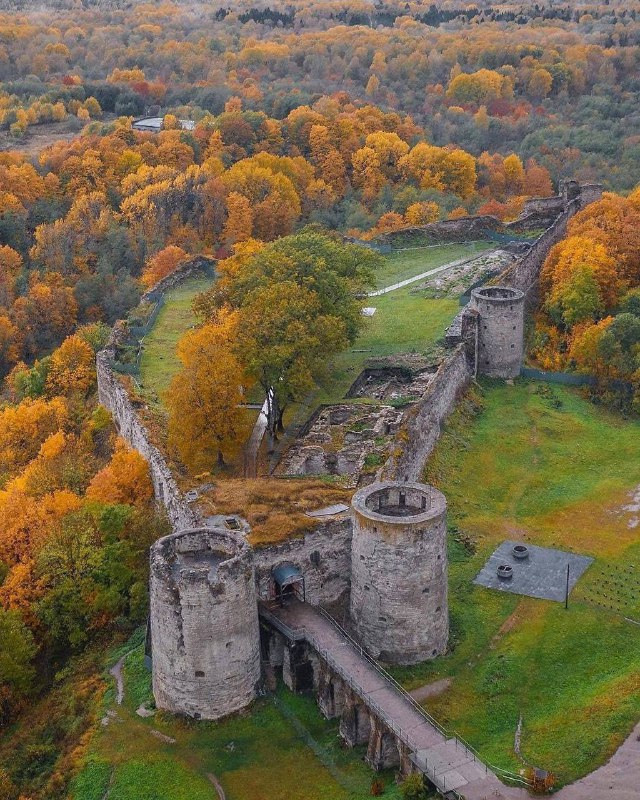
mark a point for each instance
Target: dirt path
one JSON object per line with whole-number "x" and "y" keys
{"x": 432, "y": 689}
{"x": 212, "y": 779}
{"x": 116, "y": 672}
{"x": 408, "y": 281}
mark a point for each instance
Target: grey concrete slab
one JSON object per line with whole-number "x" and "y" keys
{"x": 329, "y": 511}
{"x": 452, "y": 780}
{"x": 543, "y": 574}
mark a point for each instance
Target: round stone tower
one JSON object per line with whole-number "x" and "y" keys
{"x": 500, "y": 330}
{"x": 204, "y": 623}
{"x": 399, "y": 571}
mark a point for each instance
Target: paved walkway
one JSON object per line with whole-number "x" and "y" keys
{"x": 255, "y": 440}
{"x": 445, "y": 761}
{"x": 618, "y": 779}
{"x": 422, "y": 275}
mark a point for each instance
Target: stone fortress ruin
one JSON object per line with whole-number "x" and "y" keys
{"x": 227, "y": 618}
{"x": 208, "y": 588}
{"x": 204, "y": 623}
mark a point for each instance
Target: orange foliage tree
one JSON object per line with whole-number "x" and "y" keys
{"x": 167, "y": 261}
{"x": 206, "y": 423}
{"x": 125, "y": 479}
{"x": 72, "y": 368}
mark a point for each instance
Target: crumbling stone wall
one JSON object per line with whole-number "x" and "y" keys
{"x": 399, "y": 571}
{"x": 524, "y": 273}
{"x": 204, "y": 623}
{"x": 322, "y": 555}
{"x": 113, "y": 396}
{"x": 422, "y": 424}
{"x": 446, "y": 230}
{"x": 194, "y": 266}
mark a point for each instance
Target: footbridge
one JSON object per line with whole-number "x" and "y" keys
{"x": 317, "y": 655}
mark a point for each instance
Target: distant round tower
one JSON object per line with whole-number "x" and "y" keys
{"x": 500, "y": 330}
{"x": 204, "y": 623}
{"x": 399, "y": 571}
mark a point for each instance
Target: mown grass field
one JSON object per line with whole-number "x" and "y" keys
{"x": 159, "y": 359}
{"x": 403, "y": 264}
{"x": 543, "y": 465}
{"x": 258, "y": 755}
{"x": 404, "y": 322}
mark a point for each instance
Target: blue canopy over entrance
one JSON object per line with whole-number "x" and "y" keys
{"x": 288, "y": 580}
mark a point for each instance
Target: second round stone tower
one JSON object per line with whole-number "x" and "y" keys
{"x": 500, "y": 312}
{"x": 205, "y": 637}
{"x": 399, "y": 571}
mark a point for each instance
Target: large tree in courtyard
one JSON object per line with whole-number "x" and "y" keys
{"x": 206, "y": 422}
{"x": 299, "y": 302}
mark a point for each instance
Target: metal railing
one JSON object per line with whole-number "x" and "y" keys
{"x": 459, "y": 740}
{"x": 439, "y": 781}
{"x": 383, "y": 672}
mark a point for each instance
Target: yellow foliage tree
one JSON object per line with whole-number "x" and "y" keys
{"x": 540, "y": 83}
{"x": 422, "y": 213}
{"x": 10, "y": 266}
{"x": 72, "y": 368}
{"x": 24, "y": 427}
{"x": 580, "y": 253}
{"x": 206, "y": 424}
{"x": 239, "y": 224}
{"x": 367, "y": 174}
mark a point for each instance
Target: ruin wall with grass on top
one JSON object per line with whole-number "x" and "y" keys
{"x": 113, "y": 395}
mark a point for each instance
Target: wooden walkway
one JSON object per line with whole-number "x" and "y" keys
{"x": 446, "y": 761}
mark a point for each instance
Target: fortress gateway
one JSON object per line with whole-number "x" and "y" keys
{"x": 206, "y": 594}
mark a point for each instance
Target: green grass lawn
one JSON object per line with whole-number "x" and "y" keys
{"x": 159, "y": 360}
{"x": 403, "y": 264}
{"x": 282, "y": 747}
{"x": 539, "y": 464}
{"x": 403, "y": 322}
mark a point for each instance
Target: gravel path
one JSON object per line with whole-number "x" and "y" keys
{"x": 458, "y": 263}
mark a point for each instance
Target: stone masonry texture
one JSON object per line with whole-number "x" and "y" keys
{"x": 399, "y": 571}
{"x": 204, "y": 623}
